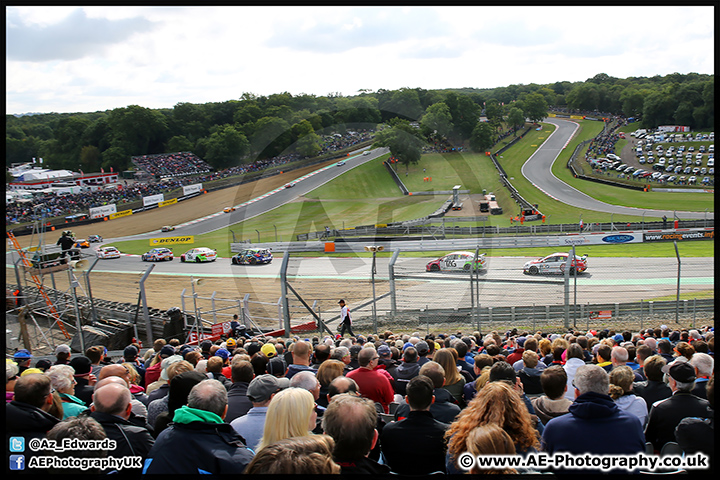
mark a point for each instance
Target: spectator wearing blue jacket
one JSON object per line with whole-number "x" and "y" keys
{"x": 594, "y": 423}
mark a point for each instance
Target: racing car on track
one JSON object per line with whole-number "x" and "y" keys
{"x": 157, "y": 254}
{"x": 167, "y": 228}
{"x": 228, "y": 209}
{"x": 108, "y": 252}
{"x": 555, "y": 263}
{"x": 456, "y": 261}
{"x": 82, "y": 243}
{"x": 252, "y": 256}
{"x": 200, "y": 254}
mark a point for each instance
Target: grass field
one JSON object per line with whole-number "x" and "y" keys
{"x": 367, "y": 195}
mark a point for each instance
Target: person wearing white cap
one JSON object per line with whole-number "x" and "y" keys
{"x": 62, "y": 354}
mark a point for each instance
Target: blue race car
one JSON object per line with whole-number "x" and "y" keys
{"x": 253, "y": 256}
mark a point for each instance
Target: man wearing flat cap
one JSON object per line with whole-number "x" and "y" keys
{"x": 665, "y": 415}
{"x": 260, "y": 391}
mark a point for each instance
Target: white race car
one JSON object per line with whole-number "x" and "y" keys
{"x": 108, "y": 252}
{"x": 555, "y": 263}
{"x": 200, "y": 254}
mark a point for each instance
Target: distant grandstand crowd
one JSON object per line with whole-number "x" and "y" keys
{"x": 172, "y": 166}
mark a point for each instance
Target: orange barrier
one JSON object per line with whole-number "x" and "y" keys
{"x": 329, "y": 247}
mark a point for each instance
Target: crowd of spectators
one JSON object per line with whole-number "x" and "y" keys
{"x": 391, "y": 403}
{"x": 171, "y": 164}
{"x": 177, "y": 169}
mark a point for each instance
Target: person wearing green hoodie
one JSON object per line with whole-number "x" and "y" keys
{"x": 199, "y": 441}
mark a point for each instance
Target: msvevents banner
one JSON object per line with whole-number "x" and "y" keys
{"x": 600, "y": 239}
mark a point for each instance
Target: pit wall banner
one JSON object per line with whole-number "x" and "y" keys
{"x": 600, "y": 239}
{"x": 160, "y": 242}
{"x": 189, "y": 189}
{"x": 104, "y": 211}
{"x": 124, "y": 213}
{"x": 153, "y": 199}
{"x": 669, "y": 236}
{"x": 165, "y": 203}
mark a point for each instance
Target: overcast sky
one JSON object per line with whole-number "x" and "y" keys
{"x": 86, "y": 59}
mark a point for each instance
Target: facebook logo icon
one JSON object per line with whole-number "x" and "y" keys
{"x": 17, "y": 462}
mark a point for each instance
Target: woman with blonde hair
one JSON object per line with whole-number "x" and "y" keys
{"x": 454, "y": 382}
{"x": 497, "y": 403}
{"x": 291, "y": 413}
{"x": 621, "y": 384}
{"x": 328, "y": 371}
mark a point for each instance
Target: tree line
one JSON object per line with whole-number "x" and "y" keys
{"x": 239, "y": 131}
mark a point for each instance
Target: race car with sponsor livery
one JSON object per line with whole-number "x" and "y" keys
{"x": 228, "y": 209}
{"x": 252, "y": 256}
{"x": 82, "y": 243}
{"x": 200, "y": 254}
{"x": 456, "y": 261}
{"x": 108, "y": 252}
{"x": 555, "y": 264}
{"x": 167, "y": 228}
{"x": 94, "y": 238}
{"x": 157, "y": 255}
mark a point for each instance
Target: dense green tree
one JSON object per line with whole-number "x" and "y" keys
{"x": 482, "y": 137}
{"x": 90, "y": 158}
{"x": 270, "y": 137}
{"x": 403, "y": 141}
{"x": 437, "y": 118}
{"x": 535, "y": 107}
{"x": 179, "y": 143}
{"x": 137, "y": 129}
{"x": 225, "y": 147}
{"x": 515, "y": 118}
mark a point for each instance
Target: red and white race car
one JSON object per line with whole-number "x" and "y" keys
{"x": 555, "y": 263}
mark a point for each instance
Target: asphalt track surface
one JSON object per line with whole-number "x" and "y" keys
{"x": 538, "y": 170}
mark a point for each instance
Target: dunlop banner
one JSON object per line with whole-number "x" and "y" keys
{"x": 158, "y": 242}
{"x": 124, "y": 213}
{"x": 664, "y": 237}
{"x": 168, "y": 202}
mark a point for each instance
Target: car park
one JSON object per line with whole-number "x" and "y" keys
{"x": 612, "y": 156}
{"x": 555, "y": 263}
{"x": 706, "y": 180}
{"x": 157, "y": 255}
{"x": 671, "y": 178}
{"x": 252, "y": 256}
{"x": 698, "y": 162}
{"x": 682, "y": 179}
{"x": 678, "y": 169}
{"x": 456, "y": 261}
{"x": 199, "y": 254}
{"x": 629, "y": 170}
{"x": 711, "y": 162}
{"x": 696, "y": 170}
{"x": 711, "y": 171}
{"x": 108, "y": 252}
{"x": 167, "y": 228}
{"x": 691, "y": 148}
{"x": 655, "y": 175}
{"x": 703, "y": 171}
{"x": 687, "y": 170}
{"x": 638, "y": 172}
{"x": 692, "y": 180}
{"x": 670, "y": 168}
{"x": 641, "y": 160}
